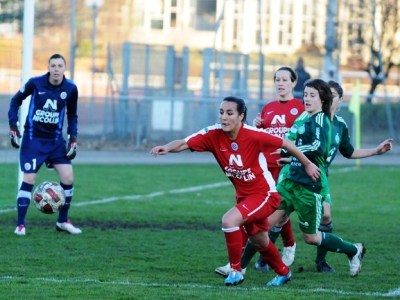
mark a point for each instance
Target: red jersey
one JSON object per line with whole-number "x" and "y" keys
{"x": 242, "y": 160}
{"x": 278, "y": 117}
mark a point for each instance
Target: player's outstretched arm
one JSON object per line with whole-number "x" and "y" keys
{"x": 174, "y": 146}
{"x": 382, "y": 148}
{"x": 311, "y": 169}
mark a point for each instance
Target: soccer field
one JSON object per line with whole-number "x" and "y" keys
{"x": 153, "y": 232}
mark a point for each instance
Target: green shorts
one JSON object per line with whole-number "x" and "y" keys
{"x": 307, "y": 204}
{"x": 326, "y": 191}
{"x": 283, "y": 174}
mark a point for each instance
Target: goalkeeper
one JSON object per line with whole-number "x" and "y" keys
{"x": 53, "y": 97}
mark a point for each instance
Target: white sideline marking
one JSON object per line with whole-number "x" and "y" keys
{"x": 343, "y": 170}
{"x": 390, "y": 294}
{"x": 162, "y": 193}
{"x": 156, "y": 194}
{"x": 148, "y": 196}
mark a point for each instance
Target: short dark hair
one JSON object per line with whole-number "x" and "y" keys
{"x": 324, "y": 92}
{"x": 55, "y": 56}
{"x": 337, "y": 87}
{"x": 293, "y": 74}
{"x": 241, "y": 105}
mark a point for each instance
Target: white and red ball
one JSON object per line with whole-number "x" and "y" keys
{"x": 49, "y": 197}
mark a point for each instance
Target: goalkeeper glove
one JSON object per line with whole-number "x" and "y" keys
{"x": 72, "y": 147}
{"x": 14, "y": 136}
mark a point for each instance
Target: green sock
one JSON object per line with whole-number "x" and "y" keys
{"x": 321, "y": 251}
{"x": 274, "y": 233}
{"x": 248, "y": 254}
{"x": 334, "y": 243}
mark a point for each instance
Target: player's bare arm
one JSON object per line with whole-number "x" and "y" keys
{"x": 174, "y": 146}
{"x": 311, "y": 169}
{"x": 382, "y": 148}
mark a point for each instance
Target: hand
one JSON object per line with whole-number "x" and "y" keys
{"x": 384, "y": 147}
{"x": 313, "y": 171}
{"x": 277, "y": 151}
{"x": 72, "y": 148}
{"x": 284, "y": 161}
{"x": 258, "y": 121}
{"x": 158, "y": 150}
{"x": 14, "y": 136}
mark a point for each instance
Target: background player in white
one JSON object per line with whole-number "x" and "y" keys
{"x": 52, "y": 97}
{"x": 238, "y": 149}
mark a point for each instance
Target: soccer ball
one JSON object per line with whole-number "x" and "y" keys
{"x": 49, "y": 197}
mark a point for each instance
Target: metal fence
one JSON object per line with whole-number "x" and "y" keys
{"x": 149, "y": 120}
{"x": 156, "y": 93}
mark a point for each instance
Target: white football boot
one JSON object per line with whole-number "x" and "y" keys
{"x": 224, "y": 270}
{"x": 288, "y": 254}
{"x": 20, "y": 230}
{"x": 68, "y": 227}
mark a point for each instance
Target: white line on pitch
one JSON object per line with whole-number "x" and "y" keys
{"x": 391, "y": 294}
{"x": 162, "y": 193}
{"x": 146, "y": 196}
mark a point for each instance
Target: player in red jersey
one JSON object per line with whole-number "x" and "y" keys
{"x": 238, "y": 149}
{"x": 277, "y": 117}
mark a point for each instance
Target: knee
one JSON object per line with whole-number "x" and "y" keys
{"x": 283, "y": 221}
{"x": 326, "y": 218}
{"x": 67, "y": 179}
{"x": 225, "y": 223}
{"x": 228, "y": 221}
{"x": 232, "y": 218}
{"x": 29, "y": 178}
{"x": 311, "y": 239}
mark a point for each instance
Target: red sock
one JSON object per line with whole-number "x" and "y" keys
{"x": 270, "y": 255}
{"x": 287, "y": 234}
{"x": 233, "y": 237}
{"x": 245, "y": 236}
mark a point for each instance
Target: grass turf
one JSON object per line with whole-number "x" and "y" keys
{"x": 153, "y": 232}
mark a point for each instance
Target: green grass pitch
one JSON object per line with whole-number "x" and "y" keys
{"x": 153, "y": 232}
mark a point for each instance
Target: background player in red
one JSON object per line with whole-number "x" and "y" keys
{"x": 52, "y": 98}
{"x": 239, "y": 150}
{"x": 277, "y": 117}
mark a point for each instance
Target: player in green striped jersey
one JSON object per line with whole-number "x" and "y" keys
{"x": 340, "y": 142}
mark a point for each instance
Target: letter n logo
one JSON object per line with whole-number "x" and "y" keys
{"x": 279, "y": 119}
{"x": 236, "y": 160}
{"x": 50, "y": 105}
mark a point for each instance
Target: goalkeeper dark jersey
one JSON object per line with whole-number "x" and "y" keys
{"x": 340, "y": 140}
{"x": 48, "y": 107}
{"x": 313, "y": 139}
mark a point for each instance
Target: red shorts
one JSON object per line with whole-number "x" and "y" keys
{"x": 256, "y": 209}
